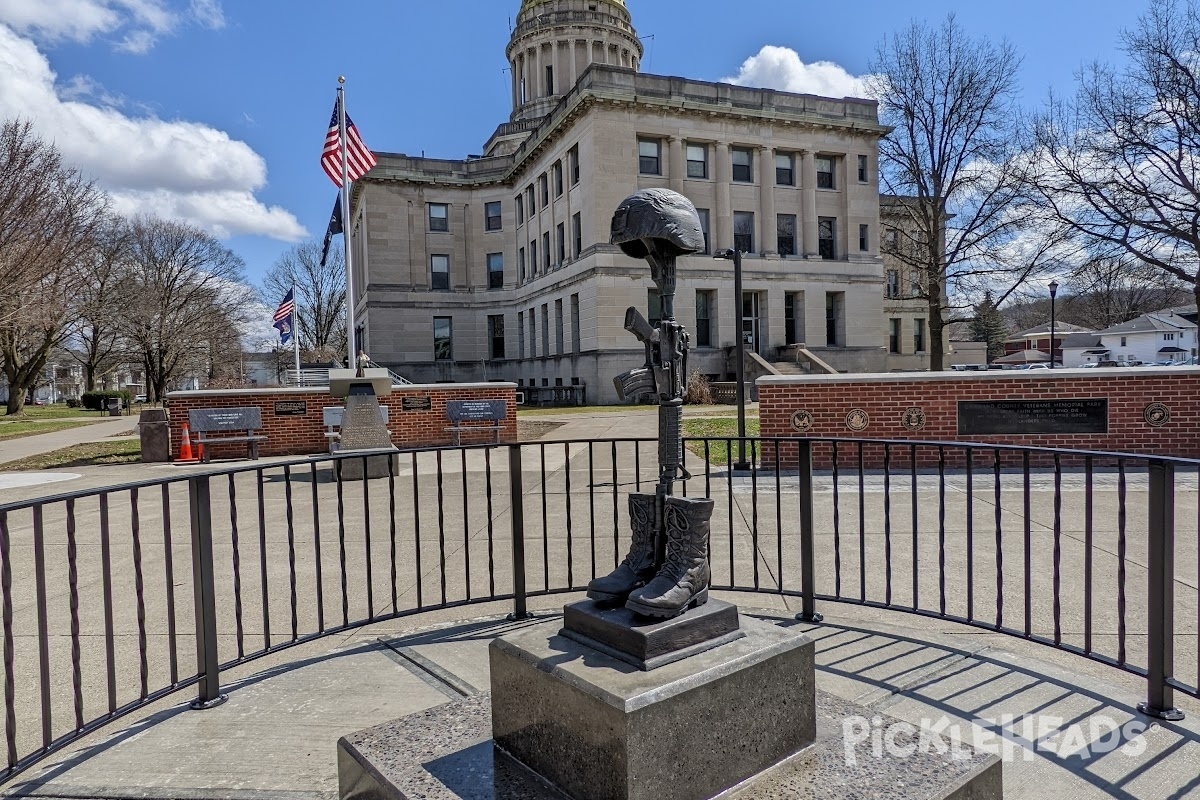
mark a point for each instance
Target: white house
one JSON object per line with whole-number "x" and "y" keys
{"x": 1160, "y": 337}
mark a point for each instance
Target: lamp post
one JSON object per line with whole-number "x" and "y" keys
{"x": 735, "y": 255}
{"x": 1053, "y": 292}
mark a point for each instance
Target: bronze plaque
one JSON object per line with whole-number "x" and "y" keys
{"x": 1084, "y": 415}
{"x": 291, "y": 408}
{"x": 416, "y": 403}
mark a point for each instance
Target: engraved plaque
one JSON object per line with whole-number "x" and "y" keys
{"x": 291, "y": 408}
{"x": 1083, "y": 415}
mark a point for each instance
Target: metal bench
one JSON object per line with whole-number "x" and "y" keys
{"x": 471, "y": 411}
{"x": 214, "y": 426}
{"x": 331, "y": 416}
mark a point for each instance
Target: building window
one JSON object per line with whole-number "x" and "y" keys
{"x": 558, "y": 179}
{"x": 891, "y": 238}
{"x": 703, "y": 226}
{"x": 575, "y": 323}
{"x": 697, "y": 161}
{"x": 549, "y": 79}
{"x": 439, "y": 217}
{"x": 793, "y": 317}
{"x": 520, "y": 335}
{"x": 864, "y": 232}
{"x": 835, "y": 303}
{"x": 496, "y": 336}
{"x": 785, "y": 169}
{"x": 919, "y": 335}
{"x": 894, "y": 335}
{"x": 743, "y": 165}
{"x": 545, "y": 329}
{"x": 653, "y": 307}
{"x": 443, "y": 339}
{"x": 493, "y": 221}
{"x": 914, "y": 284}
{"x": 1168, "y": 337}
{"x": 520, "y": 209}
{"x": 562, "y": 243}
{"x": 558, "y": 326}
{"x": 649, "y": 156}
{"x": 533, "y": 335}
{"x": 533, "y": 261}
{"x": 743, "y": 231}
{"x": 1123, "y": 341}
{"x": 705, "y": 312}
{"x": 786, "y": 236}
{"x": 824, "y": 172}
{"x": 892, "y": 290}
{"x": 531, "y": 207}
{"x": 862, "y": 169}
{"x": 576, "y": 235}
{"x": 826, "y": 243}
{"x": 544, "y": 188}
{"x": 521, "y": 264}
{"x": 546, "y": 251}
{"x": 573, "y": 159}
{"x": 439, "y": 272}
{"x": 495, "y": 270}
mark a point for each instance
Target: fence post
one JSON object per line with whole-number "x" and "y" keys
{"x": 808, "y": 579}
{"x": 204, "y": 587}
{"x": 517, "y": 505}
{"x": 1160, "y": 608}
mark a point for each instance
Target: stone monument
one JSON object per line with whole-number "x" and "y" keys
{"x": 649, "y": 689}
{"x": 363, "y": 428}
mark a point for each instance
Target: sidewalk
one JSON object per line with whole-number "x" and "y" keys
{"x": 276, "y": 736}
{"x": 26, "y": 446}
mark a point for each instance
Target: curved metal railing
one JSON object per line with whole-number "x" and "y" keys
{"x": 1093, "y": 553}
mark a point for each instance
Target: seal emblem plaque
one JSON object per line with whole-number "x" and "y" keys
{"x": 913, "y": 419}
{"x": 1156, "y": 415}
{"x": 802, "y": 421}
{"x": 857, "y": 420}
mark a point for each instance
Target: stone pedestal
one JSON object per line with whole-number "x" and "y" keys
{"x": 601, "y": 729}
{"x": 372, "y": 466}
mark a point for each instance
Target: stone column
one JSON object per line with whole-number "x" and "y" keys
{"x": 574, "y": 62}
{"x": 532, "y": 89}
{"x": 676, "y": 163}
{"x": 808, "y": 202}
{"x": 766, "y": 179}
{"x": 722, "y": 223}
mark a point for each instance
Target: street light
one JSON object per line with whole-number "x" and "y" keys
{"x": 1053, "y": 292}
{"x": 735, "y": 255}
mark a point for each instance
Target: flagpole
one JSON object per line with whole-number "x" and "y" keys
{"x": 296, "y": 332}
{"x": 346, "y": 225}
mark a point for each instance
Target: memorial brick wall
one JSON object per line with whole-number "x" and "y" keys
{"x": 294, "y": 425}
{"x": 1152, "y": 410}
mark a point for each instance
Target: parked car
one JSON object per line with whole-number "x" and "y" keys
{"x": 1034, "y": 366}
{"x": 141, "y": 398}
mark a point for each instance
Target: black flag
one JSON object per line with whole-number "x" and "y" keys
{"x": 335, "y": 226}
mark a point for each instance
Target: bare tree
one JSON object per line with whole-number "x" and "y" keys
{"x": 49, "y": 215}
{"x": 1119, "y": 162}
{"x": 950, "y": 157}
{"x": 1109, "y": 290}
{"x": 320, "y": 297}
{"x": 185, "y": 296}
{"x": 101, "y": 304}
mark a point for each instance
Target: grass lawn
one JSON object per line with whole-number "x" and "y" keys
{"x": 16, "y": 427}
{"x": 536, "y": 412}
{"x": 80, "y": 455}
{"x": 716, "y": 428}
{"x": 58, "y": 411}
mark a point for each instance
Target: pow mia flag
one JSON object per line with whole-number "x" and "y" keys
{"x": 335, "y": 227}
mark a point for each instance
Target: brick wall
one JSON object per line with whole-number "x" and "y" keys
{"x": 305, "y": 435}
{"x": 885, "y": 398}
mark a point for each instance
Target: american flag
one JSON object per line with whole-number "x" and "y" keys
{"x": 359, "y": 158}
{"x": 283, "y": 317}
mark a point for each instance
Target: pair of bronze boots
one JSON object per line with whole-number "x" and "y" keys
{"x": 682, "y": 581}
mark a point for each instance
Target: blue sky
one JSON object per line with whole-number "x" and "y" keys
{"x": 214, "y": 111}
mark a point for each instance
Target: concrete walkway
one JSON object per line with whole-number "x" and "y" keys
{"x": 28, "y": 446}
{"x": 276, "y": 736}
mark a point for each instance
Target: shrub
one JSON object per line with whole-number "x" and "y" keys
{"x": 699, "y": 392}
{"x": 97, "y": 401}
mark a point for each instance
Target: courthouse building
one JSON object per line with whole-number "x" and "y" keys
{"x": 499, "y": 267}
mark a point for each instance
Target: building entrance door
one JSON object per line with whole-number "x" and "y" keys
{"x": 751, "y": 328}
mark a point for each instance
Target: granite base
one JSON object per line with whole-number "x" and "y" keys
{"x": 601, "y": 729}
{"x": 446, "y": 753}
{"x": 370, "y": 467}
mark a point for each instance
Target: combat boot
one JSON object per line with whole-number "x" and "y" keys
{"x": 682, "y": 582}
{"x": 638, "y": 566}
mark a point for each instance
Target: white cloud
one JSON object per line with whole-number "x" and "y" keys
{"x": 135, "y": 24}
{"x": 781, "y": 68}
{"x": 208, "y": 13}
{"x": 185, "y": 170}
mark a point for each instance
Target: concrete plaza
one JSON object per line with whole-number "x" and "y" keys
{"x": 285, "y": 568}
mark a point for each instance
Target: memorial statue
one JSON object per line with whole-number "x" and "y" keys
{"x": 666, "y": 571}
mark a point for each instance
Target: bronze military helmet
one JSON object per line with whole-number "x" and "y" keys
{"x": 657, "y": 222}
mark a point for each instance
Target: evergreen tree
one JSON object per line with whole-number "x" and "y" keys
{"x": 989, "y": 326}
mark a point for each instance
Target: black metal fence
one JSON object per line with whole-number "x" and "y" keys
{"x": 117, "y": 597}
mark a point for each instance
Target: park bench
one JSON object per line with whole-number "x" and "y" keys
{"x": 213, "y": 426}
{"x": 472, "y": 412}
{"x": 332, "y": 419}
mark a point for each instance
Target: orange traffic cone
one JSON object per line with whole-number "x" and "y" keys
{"x": 185, "y": 448}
